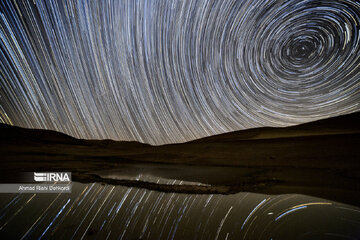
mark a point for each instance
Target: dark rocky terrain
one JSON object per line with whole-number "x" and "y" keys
{"x": 320, "y": 158}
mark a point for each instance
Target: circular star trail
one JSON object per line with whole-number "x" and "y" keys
{"x": 172, "y": 71}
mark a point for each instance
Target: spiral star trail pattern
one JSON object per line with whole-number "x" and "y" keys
{"x": 172, "y": 71}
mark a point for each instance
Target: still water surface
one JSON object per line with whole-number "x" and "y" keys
{"x": 96, "y": 211}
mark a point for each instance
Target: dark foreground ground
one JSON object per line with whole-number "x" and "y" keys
{"x": 320, "y": 159}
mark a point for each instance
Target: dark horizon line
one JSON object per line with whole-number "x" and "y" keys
{"x": 351, "y": 117}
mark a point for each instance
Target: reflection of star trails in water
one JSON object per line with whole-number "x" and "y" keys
{"x": 130, "y": 213}
{"x": 298, "y": 207}
{"x": 252, "y": 212}
{"x": 172, "y": 71}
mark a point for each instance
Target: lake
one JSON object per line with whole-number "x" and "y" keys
{"x": 98, "y": 211}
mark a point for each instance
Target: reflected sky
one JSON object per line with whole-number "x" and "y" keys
{"x": 95, "y": 211}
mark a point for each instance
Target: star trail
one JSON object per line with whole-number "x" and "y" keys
{"x": 116, "y": 212}
{"x": 172, "y": 71}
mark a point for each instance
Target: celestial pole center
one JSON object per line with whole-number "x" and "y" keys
{"x": 172, "y": 71}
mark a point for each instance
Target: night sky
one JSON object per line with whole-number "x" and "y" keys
{"x": 172, "y": 71}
